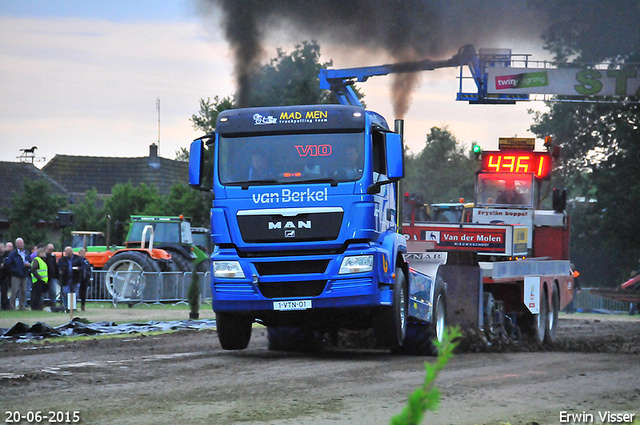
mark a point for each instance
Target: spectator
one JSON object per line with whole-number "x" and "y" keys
{"x": 85, "y": 277}
{"x": 54, "y": 275}
{"x": 70, "y": 269}
{"x": 8, "y": 247}
{"x": 18, "y": 265}
{"x": 34, "y": 250}
{"x": 4, "y": 279}
{"x": 39, "y": 278}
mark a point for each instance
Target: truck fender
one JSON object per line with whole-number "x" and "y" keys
{"x": 424, "y": 278}
{"x": 395, "y": 245}
{"x": 219, "y": 232}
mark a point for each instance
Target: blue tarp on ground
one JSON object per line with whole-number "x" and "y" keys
{"x": 23, "y": 332}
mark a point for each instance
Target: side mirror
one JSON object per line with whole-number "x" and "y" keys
{"x": 197, "y": 173}
{"x": 195, "y": 163}
{"x": 395, "y": 156}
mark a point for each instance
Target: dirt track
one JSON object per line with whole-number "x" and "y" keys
{"x": 184, "y": 377}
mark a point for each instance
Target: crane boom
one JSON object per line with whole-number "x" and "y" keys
{"x": 341, "y": 81}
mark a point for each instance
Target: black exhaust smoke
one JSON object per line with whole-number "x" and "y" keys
{"x": 407, "y": 30}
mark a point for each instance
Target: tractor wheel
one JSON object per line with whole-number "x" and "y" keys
{"x": 204, "y": 265}
{"x": 552, "y": 317}
{"x": 390, "y": 324}
{"x": 420, "y": 337}
{"x": 182, "y": 263}
{"x": 537, "y": 326}
{"x": 293, "y": 339}
{"x": 123, "y": 274}
{"x": 234, "y": 331}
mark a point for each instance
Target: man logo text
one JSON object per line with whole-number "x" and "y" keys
{"x": 290, "y": 225}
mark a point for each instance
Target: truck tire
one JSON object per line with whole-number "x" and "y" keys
{"x": 420, "y": 336}
{"x": 234, "y": 331}
{"x": 390, "y": 324}
{"x": 552, "y": 317}
{"x": 119, "y": 284}
{"x": 537, "y": 325}
{"x": 293, "y": 339}
{"x": 489, "y": 313}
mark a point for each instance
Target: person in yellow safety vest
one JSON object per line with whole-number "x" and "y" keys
{"x": 39, "y": 278}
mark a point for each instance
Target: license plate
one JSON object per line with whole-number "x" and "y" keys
{"x": 292, "y": 305}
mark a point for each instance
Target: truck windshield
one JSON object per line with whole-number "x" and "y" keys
{"x": 504, "y": 189}
{"x": 448, "y": 215}
{"x": 162, "y": 232}
{"x": 291, "y": 158}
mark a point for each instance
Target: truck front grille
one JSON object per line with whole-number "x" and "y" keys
{"x": 291, "y": 267}
{"x": 311, "y": 288}
{"x": 270, "y": 228}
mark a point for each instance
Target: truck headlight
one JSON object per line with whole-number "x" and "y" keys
{"x": 228, "y": 269}
{"x": 356, "y": 264}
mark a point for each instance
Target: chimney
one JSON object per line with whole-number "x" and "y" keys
{"x": 154, "y": 161}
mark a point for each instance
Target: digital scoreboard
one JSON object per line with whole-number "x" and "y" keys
{"x": 536, "y": 163}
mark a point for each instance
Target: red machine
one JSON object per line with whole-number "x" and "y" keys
{"x": 522, "y": 250}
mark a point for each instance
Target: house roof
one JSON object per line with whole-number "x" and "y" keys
{"x": 12, "y": 178}
{"x": 78, "y": 174}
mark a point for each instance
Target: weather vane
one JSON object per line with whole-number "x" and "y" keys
{"x": 29, "y": 155}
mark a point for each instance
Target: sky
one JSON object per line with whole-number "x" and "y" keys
{"x": 84, "y": 78}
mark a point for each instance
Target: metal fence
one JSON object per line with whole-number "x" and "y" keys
{"x": 145, "y": 287}
{"x": 585, "y": 301}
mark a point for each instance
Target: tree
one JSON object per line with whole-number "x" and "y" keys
{"x": 33, "y": 210}
{"x": 600, "y": 142}
{"x": 442, "y": 171}
{"x": 127, "y": 200}
{"x": 88, "y": 214}
{"x": 207, "y": 117}
{"x": 182, "y": 154}
{"x": 183, "y": 200}
{"x": 290, "y": 79}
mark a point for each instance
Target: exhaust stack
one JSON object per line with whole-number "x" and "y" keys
{"x": 398, "y": 127}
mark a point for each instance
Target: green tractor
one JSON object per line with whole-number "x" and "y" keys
{"x": 172, "y": 234}
{"x": 154, "y": 244}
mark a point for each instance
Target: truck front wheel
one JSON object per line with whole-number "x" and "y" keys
{"x": 234, "y": 331}
{"x": 390, "y": 324}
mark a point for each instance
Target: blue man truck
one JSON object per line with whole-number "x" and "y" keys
{"x": 304, "y": 224}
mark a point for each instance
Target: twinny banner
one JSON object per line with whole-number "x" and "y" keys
{"x": 566, "y": 81}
